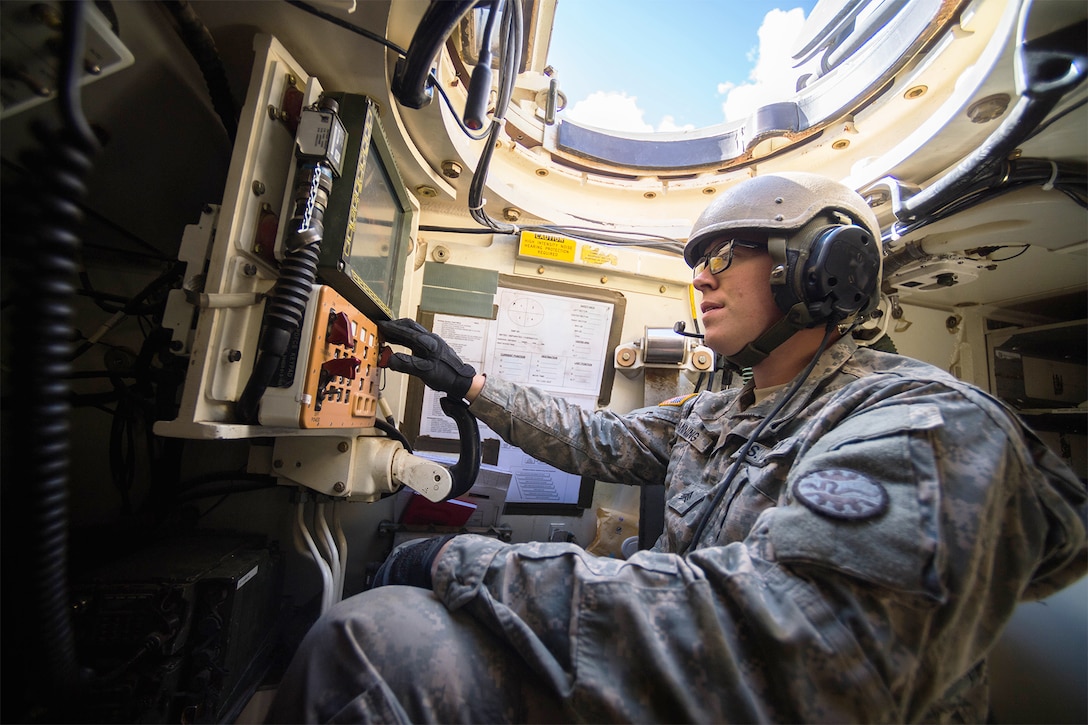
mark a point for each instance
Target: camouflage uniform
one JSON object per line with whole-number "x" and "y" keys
{"x": 875, "y": 541}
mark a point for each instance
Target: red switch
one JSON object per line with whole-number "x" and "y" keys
{"x": 345, "y": 367}
{"x": 339, "y": 332}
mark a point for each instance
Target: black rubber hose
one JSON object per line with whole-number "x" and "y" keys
{"x": 410, "y": 77}
{"x": 286, "y": 308}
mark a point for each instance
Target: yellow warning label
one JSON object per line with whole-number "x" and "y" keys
{"x": 594, "y": 255}
{"x": 547, "y": 246}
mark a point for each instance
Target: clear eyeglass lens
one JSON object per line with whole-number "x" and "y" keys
{"x": 717, "y": 261}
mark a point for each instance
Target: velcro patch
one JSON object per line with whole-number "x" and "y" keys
{"x": 678, "y": 400}
{"x": 840, "y": 493}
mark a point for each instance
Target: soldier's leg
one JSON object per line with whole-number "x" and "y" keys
{"x": 396, "y": 654}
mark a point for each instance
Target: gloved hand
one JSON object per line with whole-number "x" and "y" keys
{"x": 410, "y": 563}
{"x": 434, "y": 361}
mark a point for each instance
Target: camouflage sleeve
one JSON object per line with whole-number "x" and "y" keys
{"x": 815, "y": 616}
{"x": 631, "y": 449}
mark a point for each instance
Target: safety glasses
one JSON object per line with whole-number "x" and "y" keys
{"x": 721, "y": 258}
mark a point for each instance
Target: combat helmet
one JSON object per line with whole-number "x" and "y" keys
{"x": 824, "y": 240}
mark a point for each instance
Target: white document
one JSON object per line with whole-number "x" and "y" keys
{"x": 556, "y": 343}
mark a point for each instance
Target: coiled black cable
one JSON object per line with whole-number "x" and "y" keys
{"x": 43, "y": 323}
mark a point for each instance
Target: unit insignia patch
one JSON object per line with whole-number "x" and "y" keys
{"x": 840, "y": 493}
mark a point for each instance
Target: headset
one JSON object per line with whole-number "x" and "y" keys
{"x": 826, "y": 272}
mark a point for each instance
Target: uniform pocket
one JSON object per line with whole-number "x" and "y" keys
{"x": 879, "y": 517}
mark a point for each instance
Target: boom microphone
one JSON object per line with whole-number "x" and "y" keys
{"x": 678, "y": 328}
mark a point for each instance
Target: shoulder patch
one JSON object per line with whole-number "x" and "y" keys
{"x": 677, "y": 401}
{"x": 840, "y": 493}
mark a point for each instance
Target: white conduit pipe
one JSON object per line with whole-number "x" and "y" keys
{"x": 328, "y": 546}
{"x": 342, "y": 548}
{"x": 303, "y": 534}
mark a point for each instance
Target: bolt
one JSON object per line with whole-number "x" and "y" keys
{"x": 915, "y": 92}
{"x": 451, "y": 169}
{"x": 176, "y": 345}
{"x": 339, "y": 487}
{"x": 234, "y": 355}
{"x": 708, "y": 190}
{"x": 511, "y": 214}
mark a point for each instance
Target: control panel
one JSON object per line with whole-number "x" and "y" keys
{"x": 331, "y": 379}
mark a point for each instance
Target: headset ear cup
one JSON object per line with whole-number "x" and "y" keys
{"x": 840, "y": 273}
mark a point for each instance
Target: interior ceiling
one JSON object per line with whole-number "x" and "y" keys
{"x": 1046, "y": 280}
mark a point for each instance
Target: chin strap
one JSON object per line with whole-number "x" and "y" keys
{"x": 757, "y": 350}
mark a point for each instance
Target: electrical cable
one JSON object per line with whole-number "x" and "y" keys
{"x": 201, "y": 45}
{"x": 743, "y": 452}
{"x": 44, "y": 318}
{"x": 348, "y": 26}
{"x": 393, "y": 433}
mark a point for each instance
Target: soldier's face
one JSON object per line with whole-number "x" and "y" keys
{"x": 737, "y": 305}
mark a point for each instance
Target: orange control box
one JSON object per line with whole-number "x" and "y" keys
{"x": 340, "y": 388}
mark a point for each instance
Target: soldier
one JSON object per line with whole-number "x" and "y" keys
{"x": 845, "y": 537}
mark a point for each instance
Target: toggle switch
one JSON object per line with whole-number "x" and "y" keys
{"x": 340, "y": 330}
{"x": 345, "y": 367}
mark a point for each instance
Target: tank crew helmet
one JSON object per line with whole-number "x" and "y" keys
{"x": 824, "y": 241}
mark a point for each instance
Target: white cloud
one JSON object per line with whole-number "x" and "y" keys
{"x": 773, "y": 78}
{"x": 668, "y": 123}
{"x": 617, "y": 111}
{"x": 611, "y": 110}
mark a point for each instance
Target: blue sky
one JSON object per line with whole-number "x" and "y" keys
{"x": 642, "y": 65}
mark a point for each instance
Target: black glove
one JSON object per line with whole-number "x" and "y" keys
{"x": 434, "y": 361}
{"x": 410, "y": 563}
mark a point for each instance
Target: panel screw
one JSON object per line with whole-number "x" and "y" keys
{"x": 343, "y": 446}
{"x": 234, "y": 355}
{"x": 339, "y": 487}
{"x": 258, "y": 187}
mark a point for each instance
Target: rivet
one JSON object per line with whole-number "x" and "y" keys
{"x": 540, "y": 270}
{"x": 662, "y": 289}
{"x": 604, "y": 280}
{"x": 778, "y": 217}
